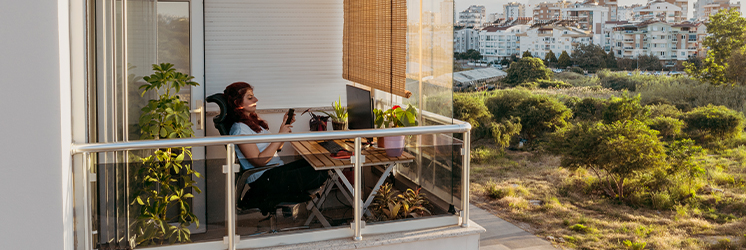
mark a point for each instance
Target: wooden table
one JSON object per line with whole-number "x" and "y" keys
{"x": 321, "y": 159}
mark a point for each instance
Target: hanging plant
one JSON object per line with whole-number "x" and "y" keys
{"x": 165, "y": 176}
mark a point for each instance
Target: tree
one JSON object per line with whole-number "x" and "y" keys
{"x": 611, "y": 60}
{"x": 526, "y": 54}
{"x": 564, "y": 60}
{"x": 473, "y": 55}
{"x": 525, "y": 70}
{"x": 736, "y": 70}
{"x": 613, "y": 152}
{"x": 550, "y": 58}
{"x": 726, "y": 34}
{"x": 505, "y": 61}
{"x": 717, "y": 121}
{"x": 626, "y": 64}
{"x": 649, "y": 62}
{"x": 625, "y": 108}
{"x": 590, "y": 57}
{"x": 514, "y": 57}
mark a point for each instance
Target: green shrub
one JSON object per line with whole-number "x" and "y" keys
{"x": 661, "y": 200}
{"x": 526, "y": 70}
{"x": 537, "y": 113}
{"x": 482, "y": 154}
{"x": 668, "y": 127}
{"x": 634, "y": 245}
{"x": 503, "y": 131}
{"x": 664, "y": 110}
{"x": 716, "y": 121}
{"x": 577, "y": 70}
{"x": 590, "y": 109}
{"x": 619, "y": 81}
{"x": 544, "y": 84}
{"x": 471, "y": 109}
{"x": 615, "y": 152}
{"x": 577, "y": 80}
{"x": 580, "y": 228}
{"x": 625, "y": 108}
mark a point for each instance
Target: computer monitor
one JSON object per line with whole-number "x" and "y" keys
{"x": 359, "y": 108}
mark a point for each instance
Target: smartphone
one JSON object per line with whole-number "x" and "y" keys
{"x": 290, "y": 116}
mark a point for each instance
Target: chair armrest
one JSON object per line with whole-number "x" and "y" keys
{"x": 241, "y": 179}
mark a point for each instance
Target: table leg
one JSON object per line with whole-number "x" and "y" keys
{"x": 316, "y": 203}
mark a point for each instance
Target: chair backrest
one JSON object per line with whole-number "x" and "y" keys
{"x": 220, "y": 120}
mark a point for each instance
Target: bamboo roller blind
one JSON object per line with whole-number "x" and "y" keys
{"x": 374, "y": 44}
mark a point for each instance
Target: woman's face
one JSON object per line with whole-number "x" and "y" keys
{"x": 248, "y": 102}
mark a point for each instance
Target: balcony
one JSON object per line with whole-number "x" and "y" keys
{"x": 438, "y": 176}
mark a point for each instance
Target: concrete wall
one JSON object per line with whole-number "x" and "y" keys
{"x": 36, "y": 127}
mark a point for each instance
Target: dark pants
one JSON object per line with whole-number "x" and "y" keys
{"x": 287, "y": 183}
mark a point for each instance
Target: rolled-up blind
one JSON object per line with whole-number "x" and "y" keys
{"x": 374, "y": 44}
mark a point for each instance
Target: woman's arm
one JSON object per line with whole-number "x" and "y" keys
{"x": 261, "y": 158}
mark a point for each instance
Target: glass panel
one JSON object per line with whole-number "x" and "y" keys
{"x": 128, "y": 220}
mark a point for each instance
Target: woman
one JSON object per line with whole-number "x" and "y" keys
{"x": 285, "y": 182}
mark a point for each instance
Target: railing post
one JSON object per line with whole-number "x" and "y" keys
{"x": 357, "y": 194}
{"x": 465, "y": 180}
{"x": 230, "y": 202}
{"x": 82, "y": 203}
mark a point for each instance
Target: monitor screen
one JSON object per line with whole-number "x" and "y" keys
{"x": 359, "y": 108}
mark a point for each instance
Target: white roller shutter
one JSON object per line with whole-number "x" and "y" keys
{"x": 289, "y": 50}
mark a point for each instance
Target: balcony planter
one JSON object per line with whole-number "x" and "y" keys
{"x": 394, "y": 145}
{"x": 338, "y": 126}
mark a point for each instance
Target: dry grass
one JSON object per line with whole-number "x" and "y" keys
{"x": 582, "y": 219}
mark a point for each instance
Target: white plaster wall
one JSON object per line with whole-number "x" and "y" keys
{"x": 36, "y": 126}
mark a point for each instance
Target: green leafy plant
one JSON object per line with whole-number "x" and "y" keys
{"x": 396, "y": 117}
{"x": 164, "y": 178}
{"x": 389, "y": 204}
{"x": 340, "y": 112}
{"x": 634, "y": 245}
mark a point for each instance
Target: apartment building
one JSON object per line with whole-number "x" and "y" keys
{"x": 560, "y": 36}
{"x": 474, "y": 16}
{"x": 704, "y": 8}
{"x": 589, "y": 16}
{"x": 672, "y": 43}
{"x": 660, "y": 10}
{"x": 626, "y": 13}
{"x": 546, "y": 11}
{"x": 465, "y": 39}
{"x": 514, "y": 10}
{"x": 500, "y": 40}
{"x": 492, "y": 17}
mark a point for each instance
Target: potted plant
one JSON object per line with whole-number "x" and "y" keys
{"x": 390, "y": 204}
{"x": 339, "y": 117}
{"x": 394, "y": 118}
{"x": 164, "y": 178}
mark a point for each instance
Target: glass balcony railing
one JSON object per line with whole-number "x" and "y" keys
{"x": 123, "y": 205}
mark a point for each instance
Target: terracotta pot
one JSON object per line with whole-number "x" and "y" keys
{"x": 394, "y": 145}
{"x": 339, "y": 125}
{"x": 379, "y": 142}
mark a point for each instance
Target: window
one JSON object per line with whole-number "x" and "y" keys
{"x": 663, "y": 53}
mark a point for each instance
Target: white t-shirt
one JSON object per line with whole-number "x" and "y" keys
{"x": 240, "y": 128}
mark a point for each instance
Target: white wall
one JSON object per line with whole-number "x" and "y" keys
{"x": 35, "y": 131}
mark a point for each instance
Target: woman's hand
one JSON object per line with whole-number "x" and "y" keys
{"x": 287, "y": 128}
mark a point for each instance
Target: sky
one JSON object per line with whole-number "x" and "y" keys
{"x": 495, "y": 6}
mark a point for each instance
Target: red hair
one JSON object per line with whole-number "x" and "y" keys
{"x": 234, "y": 94}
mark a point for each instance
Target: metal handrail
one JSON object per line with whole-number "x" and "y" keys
{"x": 260, "y": 138}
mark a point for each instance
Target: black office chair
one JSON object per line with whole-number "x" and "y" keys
{"x": 289, "y": 209}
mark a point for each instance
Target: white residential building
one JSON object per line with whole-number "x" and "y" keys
{"x": 625, "y": 13}
{"x": 498, "y": 42}
{"x": 465, "y": 39}
{"x": 660, "y": 10}
{"x": 514, "y": 10}
{"x": 589, "y": 17}
{"x": 672, "y": 43}
{"x": 546, "y": 11}
{"x": 474, "y": 16}
{"x": 492, "y": 17}
{"x": 539, "y": 39}
{"x": 704, "y": 8}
